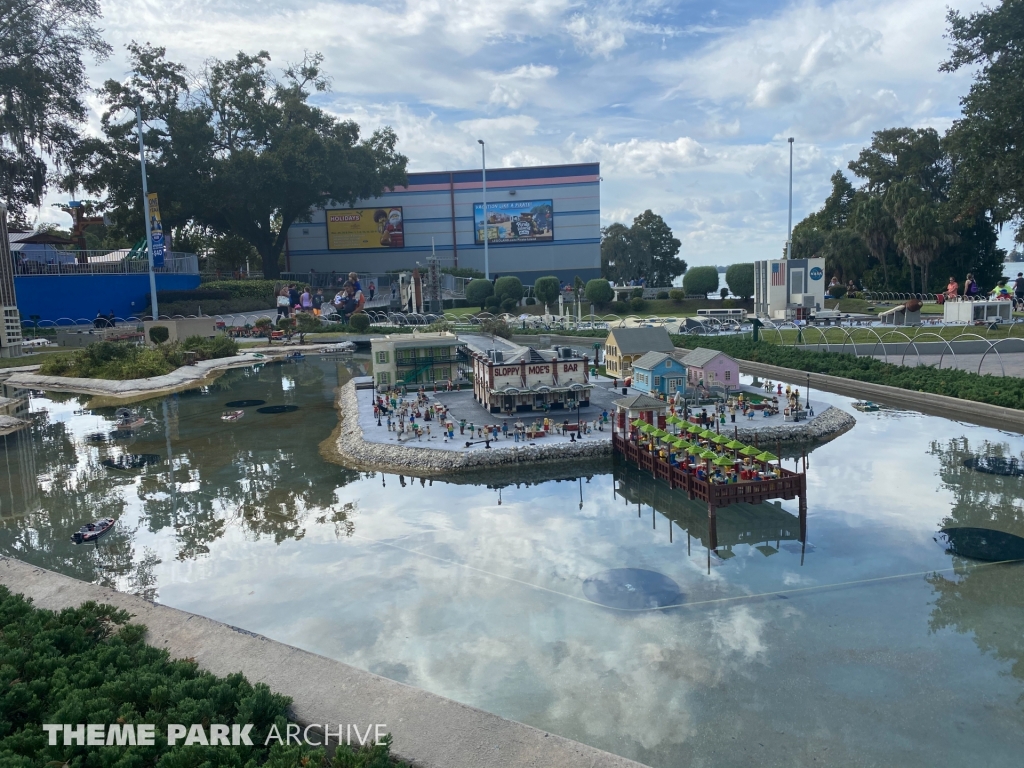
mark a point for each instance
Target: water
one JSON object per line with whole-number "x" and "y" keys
{"x": 870, "y": 646}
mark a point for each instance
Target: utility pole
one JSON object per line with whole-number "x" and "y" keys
{"x": 145, "y": 215}
{"x": 483, "y": 191}
{"x": 789, "y": 236}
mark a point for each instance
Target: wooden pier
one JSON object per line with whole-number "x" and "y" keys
{"x": 788, "y": 485}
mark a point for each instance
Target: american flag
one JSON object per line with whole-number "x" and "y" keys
{"x": 778, "y": 275}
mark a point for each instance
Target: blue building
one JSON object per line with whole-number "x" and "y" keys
{"x": 658, "y": 373}
{"x": 540, "y": 221}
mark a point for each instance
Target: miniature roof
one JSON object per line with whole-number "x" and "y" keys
{"x": 650, "y": 360}
{"x": 700, "y": 357}
{"x": 642, "y": 402}
{"x": 631, "y": 341}
{"x": 529, "y": 355}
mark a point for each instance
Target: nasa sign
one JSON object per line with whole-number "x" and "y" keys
{"x": 816, "y": 273}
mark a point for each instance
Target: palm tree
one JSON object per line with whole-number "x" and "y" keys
{"x": 874, "y": 223}
{"x": 920, "y": 239}
{"x": 845, "y": 253}
{"x": 901, "y": 200}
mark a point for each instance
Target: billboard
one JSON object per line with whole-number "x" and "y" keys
{"x": 156, "y": 229}
{"x": 351, "y": 228}
{"x": 521, "y": 221}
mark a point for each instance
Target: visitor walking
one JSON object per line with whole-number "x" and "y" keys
{"x": 371, "y": 289}
{"x": 306, "y": 300}
{"x": 1018, "y": 287}
{"x": 970, "y": 286}
{"x": 318, "y": 301}
{"x": 284, "y": 305}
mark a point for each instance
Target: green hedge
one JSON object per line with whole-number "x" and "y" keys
{"x": 246, "y": 289}
{"x": 89, "y": 665}
{"x": 199, "y": 294}
{"x": 1006, "y": 391}
{"x": 119, "y": 361}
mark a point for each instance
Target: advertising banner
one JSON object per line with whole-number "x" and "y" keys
{"x": 156, "y": 228}
{"x": 351, "y": 228}
{"x": 520, "y": 221}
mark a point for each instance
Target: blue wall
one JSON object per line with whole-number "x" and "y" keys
{"x": 80, "y": 297}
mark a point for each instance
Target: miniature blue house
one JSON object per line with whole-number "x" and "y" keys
{"x": 657, "y": 373}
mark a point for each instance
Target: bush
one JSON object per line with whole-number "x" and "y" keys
{"x": 598, "y": 292}
{"x": 740, "y": 279}
{"x": 723, "y": 292}
{"x": 158, "y": 334}
{"x": 637, "y": 304}
{"x": 728, "y": 304}
{"x": 700, "y": 281}
{"x": 264, "y": 290}
{"x": 546, "y": 289}
{"x": 636, "y": 293}
{"x": 837, "y": 291}
{"x": 662, "y": 295}
{"x": 677, "y": 295}
{"x": 359, "y": 322}
{"x": 508, "y": 287}
{"x": 509, "y": 305}
{"x": 210, "y": 349}
{"x": 496, "y": 327}
{"x": 478, "y": 291}
{"x": 90, "y": 665}
{"x": 530, "y": 301}
{"x": 491, "y": 304}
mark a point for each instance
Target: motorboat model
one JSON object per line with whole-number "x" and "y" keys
{"x": 92, "y": 531}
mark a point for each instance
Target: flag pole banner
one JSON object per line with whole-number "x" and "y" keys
{"x": 156, "y": 230}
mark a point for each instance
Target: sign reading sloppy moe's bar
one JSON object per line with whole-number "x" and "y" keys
{"x": 531, "y": 380}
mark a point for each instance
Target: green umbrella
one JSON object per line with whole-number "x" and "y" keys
{"x": 647, "y": 429}
{"x": 708, "y": 455}
{"x": 750, "y": 451}
{"x": 695, "y": 450}
{"x": 679, "y": 442}
{"x": 693, "y": 429}
{"x": 638, "y": 422}
{"x": 719, "y": 439}
{"x": 659, "y": 432}
{"x": 672, "y": 419}
{"x": 734, "y": 445}
{"x": 766, "y": 457}
{"x": 723, "y": 461}
{"x": 708, "y": 434}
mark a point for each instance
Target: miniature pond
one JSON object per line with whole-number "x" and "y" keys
{"x": 580, "y": 599}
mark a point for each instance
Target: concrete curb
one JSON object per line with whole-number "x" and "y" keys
{"x": 938, "y": 405}
{"x": 430, "y": 731}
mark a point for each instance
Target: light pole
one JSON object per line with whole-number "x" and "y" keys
{"x": 145, "y": 215}
{"x": 789, "y": 236}
{"x": 483, "y": 195}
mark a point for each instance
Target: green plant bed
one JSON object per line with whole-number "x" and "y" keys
{"x": 89, "y": 665}
{"x": 1005, "y": 391}
{"x": 119, "y": 361}
{"x": 213, "y": 307}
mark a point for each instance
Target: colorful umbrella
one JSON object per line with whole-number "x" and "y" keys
{"x": 647, "y": 429}
{"x": 719, "y": 439}
{"x": 695, "y": 450}
{"x": 723, "y": 461}
{"x": 693, "y": 429}
{"x": 734, "y": 445}
{"x": 708, "y": 455}
{"x": 766, "y": 457}
{"x": 638, "y": 422}
{"x": 750, "y": 451}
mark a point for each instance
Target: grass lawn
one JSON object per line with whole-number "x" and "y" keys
{"x": 816, "y": 335}
{"x": 34, "y": 359}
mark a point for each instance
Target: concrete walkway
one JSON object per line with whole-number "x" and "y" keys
{"x": 430, "y": 731}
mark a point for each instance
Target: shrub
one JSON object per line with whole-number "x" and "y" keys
{"x": 530, "y": 301}
{"x": 491, "y": 304}
{"x": 547, "y": 289}
{"x": 509, "y": 305}
{"x": 246, "y": 289}
{"x": 359, "y": 322}
{"x": 508, "y": 287}
{"x": 677, "y": 295}
{"x": 158, "y": 334}
{"x": 740, "y": 279}
{"x": 285, "y": 324}
{"x": 496, "y": 327}
{"x": 837, "y": 291}
{"x": 636, "y": 293}
{"x": 637, "y": 304}
{"x": 210, "y": 349}
{"x": 700, "y": 281}
{"x": 478, "y": 291}
{"x": 723, "y": 292}
{"x": 598, "y": 292}
{"x": 662, "y": 295}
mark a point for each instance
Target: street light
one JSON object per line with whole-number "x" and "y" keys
{"x": 145, "y": 215}
{"x": 483, "y": 195}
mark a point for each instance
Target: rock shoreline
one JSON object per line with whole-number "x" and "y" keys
{"x": 347, "y": 446}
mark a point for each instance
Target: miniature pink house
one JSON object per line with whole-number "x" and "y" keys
{"x": 711, "y": 368}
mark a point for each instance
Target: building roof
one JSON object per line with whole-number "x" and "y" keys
{"x": 632, "y": 341}
{"x": 650, "y": 360}
{"x": 45, "y": 238}
{"x": 529, "y": 355}
{"x": 641, "y": 402}
{"x": 700, "y": 357}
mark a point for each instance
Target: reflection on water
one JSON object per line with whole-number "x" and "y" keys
{"x": 873, "y": 646}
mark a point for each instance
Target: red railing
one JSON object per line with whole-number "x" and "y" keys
{"x": 788, "y": 486}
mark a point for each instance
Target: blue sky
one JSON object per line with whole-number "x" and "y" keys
{"x": 687, "y": 105}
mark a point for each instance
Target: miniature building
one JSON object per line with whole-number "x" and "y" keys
{"x": 625, "y": 345}
{"x": 658, "y": 373}
{"x": 710, "y": 368}
{"x": 415, "y": 359}
{"x": 531, "y": 379}
{"x": 10, "y": 322}
{"x": 644, "y": 407}
{"x": 789, "y": 289}
{"x": 999, "y": 311}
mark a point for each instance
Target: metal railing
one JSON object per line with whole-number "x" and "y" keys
{"x": 30, "y": 266}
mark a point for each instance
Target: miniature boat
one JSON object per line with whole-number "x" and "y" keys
{"x": 866, "y": 405}
{"x": 295, "y": 357}
{"x": 92, "y": 531}
{"x": 128, "y": 420}
{"x": 232, "y": 415}
{"x": 344, "y": 346}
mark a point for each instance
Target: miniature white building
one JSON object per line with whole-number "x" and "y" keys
{"x": 415, "y": 359}
{"x": 531, "y": 379}
{"x": 970, "y": 312}
{"x": 789, "y": 289}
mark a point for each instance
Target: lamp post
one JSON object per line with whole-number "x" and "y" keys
{"x": 145, "y": 215}
{"x": 789, "y": 236}
{"x": 808, "y": 393}
{"x": 483, "y": 195}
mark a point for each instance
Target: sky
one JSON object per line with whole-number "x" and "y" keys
{"x": 687, "y": 105}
